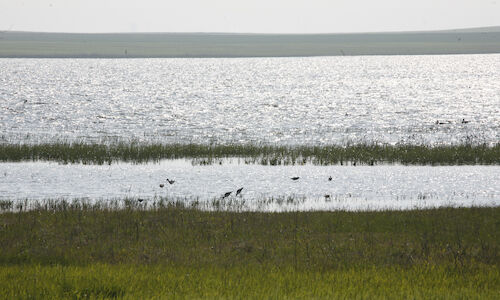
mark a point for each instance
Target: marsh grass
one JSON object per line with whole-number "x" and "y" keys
{"x": 81, "y": 232}
{"x": 363, "y": 154}
{"x": 79, "y": 249}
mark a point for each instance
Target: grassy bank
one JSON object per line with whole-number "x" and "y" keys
{"x": 261, "y": 154}
{"x": 64, "y": 250}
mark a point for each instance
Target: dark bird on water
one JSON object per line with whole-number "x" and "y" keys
{"x": 238, "y": 191}
{"x": 330, "y": 178}
{"x": 170, "y": 181}
{"x": 327, "y": 196}
{"x": 295, "y": 178}
{"x": 464, "y": 121}
{"x": 140, "y": 200}
{"x": 162, "y": 185}
{"x": 226, "y": 195}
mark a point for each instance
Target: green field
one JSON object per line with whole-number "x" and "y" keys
{"x": 254, "y": 154}
{"x": 104, "y": 281}
{"x": 130, "y": 45}
{"x": 81, "y": 250}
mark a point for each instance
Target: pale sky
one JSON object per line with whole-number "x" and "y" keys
{"x": 256, "y": 16}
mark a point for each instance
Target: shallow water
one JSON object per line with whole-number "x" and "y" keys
{"x": 318, "y": 100}
{"x": 351, "y": 188}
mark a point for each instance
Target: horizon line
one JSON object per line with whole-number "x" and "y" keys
{"x": 259, "y": 33}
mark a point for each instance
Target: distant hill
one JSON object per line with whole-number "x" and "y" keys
{"x": 123, "y": 45}
{"x": 477, "y": 29}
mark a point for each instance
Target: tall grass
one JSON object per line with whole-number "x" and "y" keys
{"x": 79, "y": 233}
{"x": 367, "y": 154}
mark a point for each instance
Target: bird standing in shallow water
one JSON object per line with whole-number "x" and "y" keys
{"x": 238, "y": 191}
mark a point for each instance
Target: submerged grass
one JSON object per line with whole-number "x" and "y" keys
{"x": 261, "y": 154}
{"x": 78, "y": 250}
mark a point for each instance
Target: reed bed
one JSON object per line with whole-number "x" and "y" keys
{"x": 62, "y": 249}
{"x": 362, "y": 154}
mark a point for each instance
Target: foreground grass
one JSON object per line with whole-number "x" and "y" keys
{"x": 76, "y": 250}
{"x": 261, "y": 154}
{"x": 257, "y": 282}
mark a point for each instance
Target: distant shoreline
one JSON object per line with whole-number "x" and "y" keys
{"x": 205, "y": 45}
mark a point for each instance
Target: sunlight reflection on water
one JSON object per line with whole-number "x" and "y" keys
{"x": 353, "y": 188}
{"x": 315, "y": 100}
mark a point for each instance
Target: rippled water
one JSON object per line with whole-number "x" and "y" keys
{"x": 321, "y": 100}
{"x": 351, "y": 188}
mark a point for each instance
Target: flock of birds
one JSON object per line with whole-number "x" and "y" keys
{"x": 238, "y": 191}
{"x": 449, "y": 122}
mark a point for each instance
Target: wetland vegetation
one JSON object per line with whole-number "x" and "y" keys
{"x": 61, "y": 249}
{"x": 366, "y": 154}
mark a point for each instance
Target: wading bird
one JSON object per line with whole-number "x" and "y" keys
{"x": 238, "y": 191}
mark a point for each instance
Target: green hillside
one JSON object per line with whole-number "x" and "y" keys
{"x": 122, "y": 45}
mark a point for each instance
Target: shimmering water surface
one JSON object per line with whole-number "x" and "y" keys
{"x": 351, "y": 188}
{"x": 320, "y": 100}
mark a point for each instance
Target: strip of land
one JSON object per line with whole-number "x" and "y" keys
{"x": 144, "y": 45}
{"x": 80, "y": 250}
{"x": 254, "y": 154}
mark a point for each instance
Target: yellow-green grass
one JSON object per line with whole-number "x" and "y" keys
{"x": 80, "y": 250}
{"x": 368, "y": 154}
{"x": 99, "y": 281}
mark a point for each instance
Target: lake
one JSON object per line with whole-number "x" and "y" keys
{"x": 313, "y": 100}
